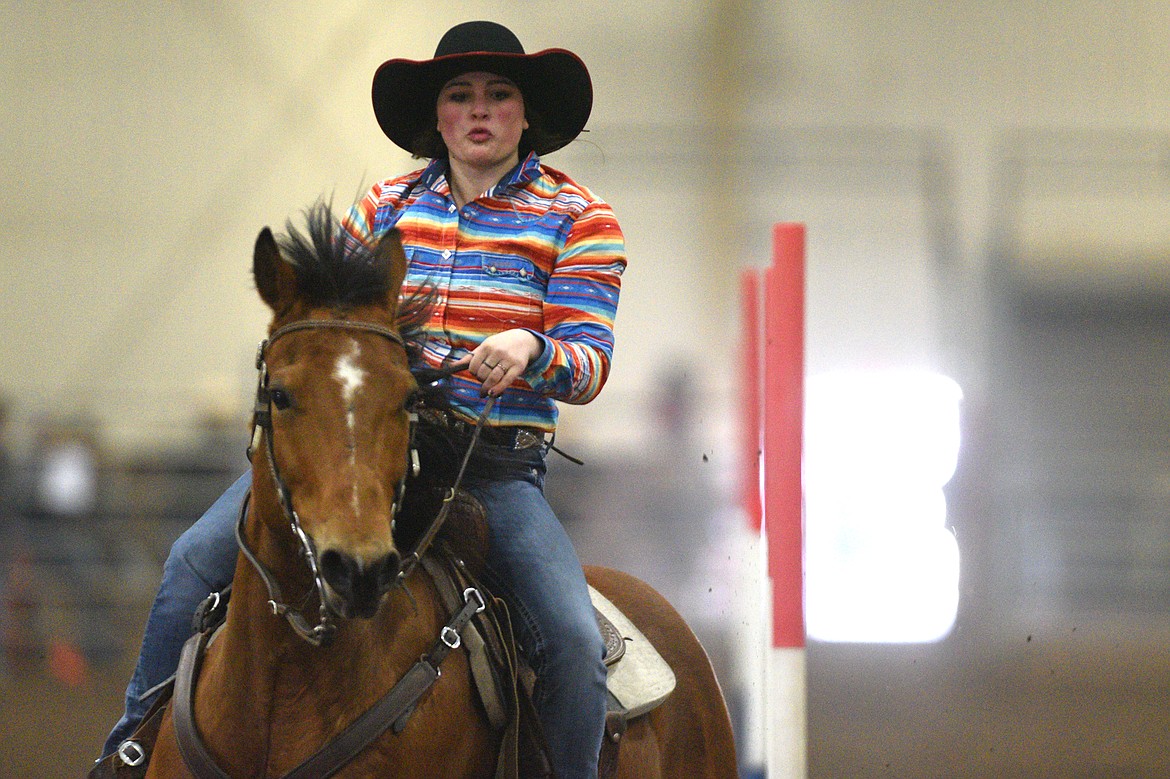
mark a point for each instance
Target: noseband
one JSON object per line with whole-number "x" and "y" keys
{"x": 321, "y": 633}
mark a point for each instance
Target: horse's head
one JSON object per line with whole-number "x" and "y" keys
{"x": 336, "y": 384}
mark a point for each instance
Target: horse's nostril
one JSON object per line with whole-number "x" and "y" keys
{"x": 338, "y": 570}
{"x": 388, "y": 570}
{"x": 360, "y": 587}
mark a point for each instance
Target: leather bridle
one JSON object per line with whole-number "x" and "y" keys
{"x": 394, "y": 708}
{"x": 322, "y": 633}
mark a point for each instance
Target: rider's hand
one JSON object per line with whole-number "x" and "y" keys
{"x": 501, "y": 358}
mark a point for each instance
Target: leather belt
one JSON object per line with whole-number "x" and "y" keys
{"x": 512, "y": 437}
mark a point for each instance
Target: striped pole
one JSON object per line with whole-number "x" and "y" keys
{"x": 783, "y": 415}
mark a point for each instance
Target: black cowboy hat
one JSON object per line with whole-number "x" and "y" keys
{"x": 554, "y": 82}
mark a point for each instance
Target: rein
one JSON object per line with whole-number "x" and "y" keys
{"x": 424, "y": 541}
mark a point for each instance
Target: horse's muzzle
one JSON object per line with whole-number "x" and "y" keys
{"x": 358, "y": 588}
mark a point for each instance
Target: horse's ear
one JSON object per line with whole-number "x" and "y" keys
{"x": 275, "y": 278}
{"x": 390, "y": 252}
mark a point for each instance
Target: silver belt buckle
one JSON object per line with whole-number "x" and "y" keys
{"x": 526, "y": 439}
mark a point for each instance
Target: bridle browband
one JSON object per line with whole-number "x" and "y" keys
{"x": 322, "y": 633}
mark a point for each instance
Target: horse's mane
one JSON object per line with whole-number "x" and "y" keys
{"x": 338, "y": 270}
{"x": 333, "y": 267}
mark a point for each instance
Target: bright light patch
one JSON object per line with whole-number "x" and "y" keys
{"x": 881, "y": 564}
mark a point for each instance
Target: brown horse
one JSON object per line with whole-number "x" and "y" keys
{"x": 330, "y": 457}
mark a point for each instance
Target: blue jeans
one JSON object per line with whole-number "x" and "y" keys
{"x": 532, "y": 566}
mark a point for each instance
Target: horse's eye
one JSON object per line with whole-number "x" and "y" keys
{"x": 280, "y": 398}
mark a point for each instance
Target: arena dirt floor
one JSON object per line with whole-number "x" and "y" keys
{"x": 1070, "y": 702}
{"x": 1074, "y": 702}
{"x": 54, "y": 721}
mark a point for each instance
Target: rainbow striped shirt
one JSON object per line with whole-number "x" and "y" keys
{"x": 537, "y": 251}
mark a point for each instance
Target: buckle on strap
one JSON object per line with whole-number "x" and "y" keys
{"x": 212, "y": 611}
{"x": 472, "y": 592}
{"x": 473, "y": 603}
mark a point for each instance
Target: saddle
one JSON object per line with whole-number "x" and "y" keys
{"x": 638, "y": 678}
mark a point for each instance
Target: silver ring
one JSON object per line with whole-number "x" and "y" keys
{"x": 131, "y": 753}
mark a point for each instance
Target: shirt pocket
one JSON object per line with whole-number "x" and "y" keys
{"x": 511, "y": 291}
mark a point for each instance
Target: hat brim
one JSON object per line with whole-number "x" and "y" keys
{"x": 554, "y": 83}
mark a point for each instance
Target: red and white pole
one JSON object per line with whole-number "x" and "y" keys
{"x": 783, "y": 505}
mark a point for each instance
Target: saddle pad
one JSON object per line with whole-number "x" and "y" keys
{"x": 641, "y": 680}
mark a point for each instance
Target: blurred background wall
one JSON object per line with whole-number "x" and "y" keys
{"x": 986, "y": 187}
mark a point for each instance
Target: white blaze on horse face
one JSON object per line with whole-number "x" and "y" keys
{"x": 350, "y": 375}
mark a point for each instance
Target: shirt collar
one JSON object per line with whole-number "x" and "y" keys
{"x": 526, "y": 171}
{"x": 434, "y": 175}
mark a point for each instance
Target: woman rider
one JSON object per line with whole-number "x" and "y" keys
{"x": 524, "y": 269}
